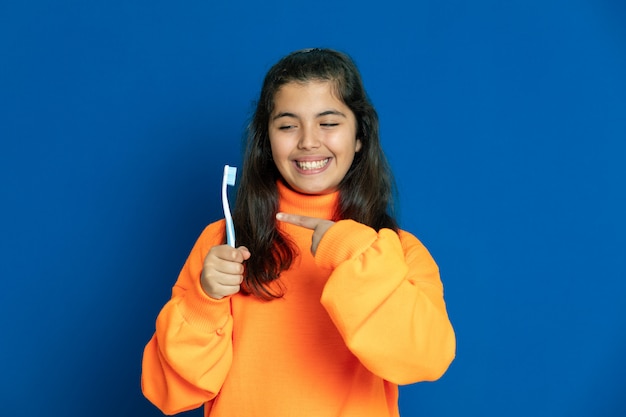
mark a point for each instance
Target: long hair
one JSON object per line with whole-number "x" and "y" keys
{"x": 365, "y": 193}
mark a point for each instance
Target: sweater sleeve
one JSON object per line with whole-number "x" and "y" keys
{"x": 386, "y": 299}
{"x": 187, "y": 359}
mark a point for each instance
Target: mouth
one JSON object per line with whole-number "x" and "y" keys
{"x": 312, "y": 165}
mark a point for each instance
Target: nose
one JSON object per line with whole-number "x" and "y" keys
{"x": 309, "y": 138}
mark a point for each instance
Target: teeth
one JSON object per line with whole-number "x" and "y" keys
{"x": 308, "y": 165}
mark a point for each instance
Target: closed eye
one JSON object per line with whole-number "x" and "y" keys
{"x": 329, "y": 124}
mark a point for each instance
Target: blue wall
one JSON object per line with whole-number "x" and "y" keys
{"x": 505, "y": 123}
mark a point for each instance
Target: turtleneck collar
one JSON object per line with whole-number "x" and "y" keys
{"x": 320, "y": 206}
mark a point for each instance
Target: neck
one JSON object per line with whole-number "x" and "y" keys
{"x": 320, "y": 206}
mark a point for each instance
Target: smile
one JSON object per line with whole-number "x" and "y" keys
{"x": 311, "y": 165}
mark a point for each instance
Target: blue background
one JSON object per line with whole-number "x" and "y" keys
{"x": 505, "y": 122}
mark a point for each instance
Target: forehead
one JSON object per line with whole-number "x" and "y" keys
{"x": 307, "y": 95}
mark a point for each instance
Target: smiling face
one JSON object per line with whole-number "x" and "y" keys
{"x": 313, "y": 136}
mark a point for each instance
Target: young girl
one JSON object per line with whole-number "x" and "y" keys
{"x": 327, "y": 306}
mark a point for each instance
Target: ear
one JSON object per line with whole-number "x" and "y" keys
{"x": 358, "y": 145}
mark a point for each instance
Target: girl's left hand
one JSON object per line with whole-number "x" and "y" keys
{"x": 319, "y": 226}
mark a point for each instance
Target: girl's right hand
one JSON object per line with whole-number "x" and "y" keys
{"x": 222, "y": 273}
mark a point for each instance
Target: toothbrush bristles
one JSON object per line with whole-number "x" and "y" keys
{"x": 231, "y": 174}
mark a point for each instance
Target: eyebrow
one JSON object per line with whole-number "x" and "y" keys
{"x": 322, "y": 114}
{"x": 283, "y": 114}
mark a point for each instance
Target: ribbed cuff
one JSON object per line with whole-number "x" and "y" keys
{"x": 203, "y": 312}
{"x": 346, "y": 239}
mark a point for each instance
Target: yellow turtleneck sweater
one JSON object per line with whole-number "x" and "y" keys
{"x": 365, "y": 314}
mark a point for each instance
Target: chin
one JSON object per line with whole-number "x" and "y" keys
{"x": 311, "y": 188}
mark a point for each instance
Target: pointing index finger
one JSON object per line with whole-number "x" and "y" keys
{"x": 298, "y": 220}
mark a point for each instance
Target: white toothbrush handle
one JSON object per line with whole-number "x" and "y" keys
{"x": 230, "y": 229}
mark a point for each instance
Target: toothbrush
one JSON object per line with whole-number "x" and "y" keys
{"x": 230, "y": 174}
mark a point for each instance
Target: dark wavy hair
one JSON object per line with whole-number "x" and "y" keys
{"x": 366, "y": 193}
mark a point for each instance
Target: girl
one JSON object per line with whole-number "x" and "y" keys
{"x": 327, "y": 306}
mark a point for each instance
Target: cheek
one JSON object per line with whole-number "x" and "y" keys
{"x": 274, "y": 148}
{"x": 280, "y": 154}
